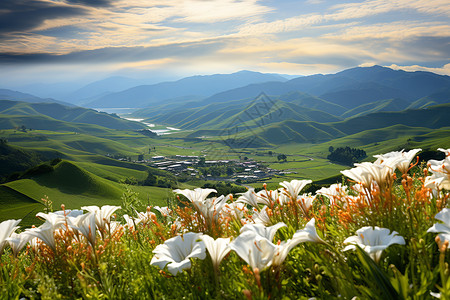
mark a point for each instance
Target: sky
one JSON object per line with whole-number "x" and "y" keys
{"x": 52, "y": 41}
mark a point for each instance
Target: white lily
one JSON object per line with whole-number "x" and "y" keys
{"x": 443, "y": 229}
{"x": 294, "y": 187}
{"x": 233, "y": 210}
{"x": 86, "y": 225}
{"x": 165, "y": 211}
{"x": 69, "y": 212}
{"x": 177, "y": 251}
{"x": 308, "y": 234}
{"x": 45, "y": 232}
{"x": 146, "y": 217}
{"x": 217, "y": 249}
{"x": 335, "y": 192}
{"x": 404, "y": 158}
{"x": 305, "y": 202}
{"x": 18, "y": 241}
{"x": 373, "y": 240}
{"x": 267, "y": 197}
{"x": 359, "y": 175}
{"x": 197, "y": 195}
{"x": 131, "y": 221}
{"x": 441, "y": 170}
{"x": 261, "y": 230}
{"x": 255, "y": 250}
{"x": 102, "y": 215}
{"x": 261, "y": 217}
{"x": 6, "y": 229}
{"x": 56, "y": 220}
{"x": 249, "y": 197}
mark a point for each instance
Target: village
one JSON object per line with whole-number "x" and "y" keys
{"x": 235, "y": 170}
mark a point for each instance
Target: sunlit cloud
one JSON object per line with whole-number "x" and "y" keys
{"x": 444, "y": 70}
{"x": 226, "y": 35}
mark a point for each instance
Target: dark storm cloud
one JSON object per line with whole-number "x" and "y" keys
{"x": 117, "y": 54}
{"x": 21, "y": 16}
{"x": 91, "y": 2}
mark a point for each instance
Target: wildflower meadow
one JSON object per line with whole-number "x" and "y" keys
{"x": 383, "y": 233}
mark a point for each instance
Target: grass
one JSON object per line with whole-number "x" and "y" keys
{"x": 18, "y": 206}
{"x": 121, "y": 263}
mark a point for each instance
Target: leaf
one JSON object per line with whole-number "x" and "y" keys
{"x": 377, "y": 277}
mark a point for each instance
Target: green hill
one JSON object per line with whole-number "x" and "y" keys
{"x": 247, "y": 114}
{"x": 16, "y": 159}
{"x": 68, "y": 114}
{"x": 308, "y": 101}
{"x": 377, "y": 106}
{"x": 16, "y": 205}
{"x": 289, "y": 131}
{"x": 71, "y": 185}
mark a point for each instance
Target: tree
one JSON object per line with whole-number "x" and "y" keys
{"x": 282, "y": 157}
{"x": 331, "y": 149}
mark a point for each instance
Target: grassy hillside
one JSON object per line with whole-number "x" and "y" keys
{"x": 18, "y": 206}
{"x": 68, "y": 114}
{"x": 16, "y": 159}
{"x": 377, "y": 106}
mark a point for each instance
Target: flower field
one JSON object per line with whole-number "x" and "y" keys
{"x": 383, "y": 233}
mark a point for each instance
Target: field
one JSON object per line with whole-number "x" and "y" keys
{"x": 381, "y": 239}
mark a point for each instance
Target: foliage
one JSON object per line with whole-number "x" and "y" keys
{"x": 117, "y": 265}
{"x": 347, "y": 155}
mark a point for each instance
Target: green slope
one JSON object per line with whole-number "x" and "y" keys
{"x": 308, "y": 101}
{"x": 15, "y": 205}
{"x": 289, "y": 131}
{"x": 377, "y": 106}
{"x": 68, "y": 114}
{"x": 70, "y": 185}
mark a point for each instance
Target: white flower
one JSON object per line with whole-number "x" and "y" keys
{"x": 373, "y": 240}
{"x": 261, "y": 230}
{"x": 335, "y": 192}
{"x": 401, "y": 159}
{"x": 6, "y": 229}
{"x": 305, "y": 202}
{"x": 255, "y": 250}
{"x": 69, "y": 212}
{"x": 56, "y": 220}
{"x": 85, "y": 224}
{"x": 131, "y": 221}
{"x": 209, "y": 208}
{"x": 233, "y": 210}
{"x": 359, "y": 175}
{"x": 441, "y": 171}
{"x": 102, "y": 215}
{"x": 146, "y": 217}
{"x": 45, "y": 232}
{"x": 308, "y": 234}
{"x": 267, "y": 197}
{"x": 177, "y": 251}
{"x": 197, "y": 195}
{"x": 261, "y": 217}
{"x": 165, "y": 211}
{"x": 249, "y": 197}
{"x": 294, "y": 187}
{"x": 217, "y": 249}
{"x": 18, "y": 241}
{"x": 443, "y": 229}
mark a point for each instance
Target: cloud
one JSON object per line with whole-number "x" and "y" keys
{"x": 91, "y": 2}
{"x": 444, "y": 70}
{"x": 118, "y": 54}
{"x": 19, "y": 16}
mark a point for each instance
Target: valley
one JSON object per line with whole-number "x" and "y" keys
{"x": 234, "y": 139}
